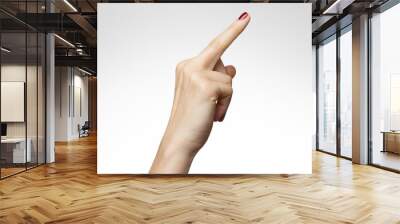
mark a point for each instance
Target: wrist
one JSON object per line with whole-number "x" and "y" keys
{"x": 178, "y": 140}
{"x": 172, "y": 159}
{"x": 176, "y": 149}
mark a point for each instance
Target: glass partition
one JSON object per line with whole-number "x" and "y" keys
{"x": 32, "y": 95}
{"x": 22, "y": 101}
{"x": 14, "y": 153}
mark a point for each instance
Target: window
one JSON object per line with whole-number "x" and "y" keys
{"x": 346, "y": 93}
{"x": 385, "y": 89}
{"x": 327, "y": 96}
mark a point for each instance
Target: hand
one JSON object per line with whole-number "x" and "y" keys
{"x": 203, "y": 91}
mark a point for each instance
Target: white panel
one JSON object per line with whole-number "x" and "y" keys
{"x": 268, "y": 128}
{"x": 12, "y": 101}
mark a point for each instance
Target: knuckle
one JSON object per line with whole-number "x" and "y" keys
{"x": 228, "y": 79}
{"x": 211, "y": 92}
{"x": 203, "y": 85}
{"x": 226, "y": 91}
{"x": 184, "y": 69}
{"x": 197, "y": 78}
{"x": 180, "y": 66}
{"x": 224, "y": 78}
{"x": 230, "y": 91}
{"x": 187, "y": 70}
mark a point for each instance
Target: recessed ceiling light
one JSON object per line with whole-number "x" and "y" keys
{"x": 70, "y": 5}
{"x": 5, "y": 50}
{"x": 84, "y": 71}
{"x": 65, "y": 41}
{"x": 338, "y": 6}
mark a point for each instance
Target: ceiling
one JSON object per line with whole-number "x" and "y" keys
{"x": 76, "y": 22}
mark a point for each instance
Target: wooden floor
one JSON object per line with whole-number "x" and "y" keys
{"x": 5, "y": 172}
{"x": 70, "y": 191}
{"x": 8, "y": 171}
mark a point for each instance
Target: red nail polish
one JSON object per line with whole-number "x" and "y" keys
{"x": 222, "y": 118}
{"x": 243, "y": 16}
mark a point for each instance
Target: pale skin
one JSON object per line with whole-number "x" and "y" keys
{"x": 203, "y": 92}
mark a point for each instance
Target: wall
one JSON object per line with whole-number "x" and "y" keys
{"x": 71, "y": 102}
{"x": 10, "y": 73}
{"x": 80, "y": 112}
{"x": 62, "y": 80}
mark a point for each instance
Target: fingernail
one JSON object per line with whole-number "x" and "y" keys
{"x": 243, "y": 16}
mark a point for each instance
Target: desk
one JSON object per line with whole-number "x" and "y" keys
{"x": 13, "y": 150}
{"x": 391, "y": 141}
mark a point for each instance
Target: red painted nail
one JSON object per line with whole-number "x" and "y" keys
{"x": 243, "y": 16}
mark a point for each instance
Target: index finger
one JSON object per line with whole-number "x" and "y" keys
{"x": 210, "y": 55}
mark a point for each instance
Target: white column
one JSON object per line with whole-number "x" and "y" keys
{"x": 50, "y": 92}
{"x": 360, "y": 90}
{"x": 50, "y": 99}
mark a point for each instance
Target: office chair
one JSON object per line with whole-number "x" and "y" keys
{"x": 84, "y": 130}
